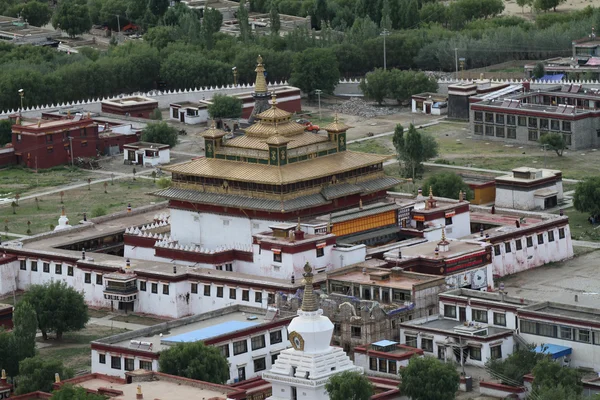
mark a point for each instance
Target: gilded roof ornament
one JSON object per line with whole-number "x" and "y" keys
{"x": 309, "y": 301}
{"x": 260, "y": 85}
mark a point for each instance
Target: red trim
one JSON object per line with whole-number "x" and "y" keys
{"x": 123, "y": 350}
{"x": 531, "y": 113}
{"x": 293, "y": 248}
{"x": 538, "y": 182}
{"x": 410, "y": 352}
{"x": 32, "y": 396}
{"x": 441, "y": 213}
{"x": 524, "y": 231}
{"x": 250, "y": 331}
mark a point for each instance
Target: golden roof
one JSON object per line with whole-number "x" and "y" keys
{"x": 259, "y": 143}
{"x": 260, "y": 85}
{"x": 336, "y": 126}
{"x": 277, "y": 140}
{"x": 274, "y": 112}
{"x": 260, "y": 173}
{"x": 213, "y": 132}
{"x": 264, "y": 129}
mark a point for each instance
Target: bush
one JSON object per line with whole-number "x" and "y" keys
{"x": 99, "y": 211}
{"x": 156, "y": 115}
{"x": 163, "y": 183}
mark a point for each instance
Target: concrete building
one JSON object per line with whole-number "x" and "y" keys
{"x": 146, "y": 154}
{"x": 189, "y": 112}
{"x": 460, "y": 94}
{"x": 384, "y": 358}
{"x": 302, "y": 371}
{"x": 250, "y": 338}
{"x": 133, "y": 106}
{"x": 529, "y": 189}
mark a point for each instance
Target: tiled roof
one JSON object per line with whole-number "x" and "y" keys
{"x": 290, "y": 173}
{"x": 376, "y": 185}
{"x": 344, "y": 189}
{"x": 259, "y": 143}
{"x": 341, "y": 217}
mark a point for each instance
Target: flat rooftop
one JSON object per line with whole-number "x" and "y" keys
{"x": 161, "y": 389}
{"x": 192, "y": 332}
{"x": 580, "y": 313}
{"x": 427, "y": 250}
{"x": 558, "y": 110}
{"x": 487, "y": 296}
{"x": 448, "y": 325}
{"x": 403, "y": 281}
{"x": 543, "y": 174}
{"x": 128, "y": 101}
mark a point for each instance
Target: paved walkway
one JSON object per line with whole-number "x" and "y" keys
{"x": 13, "y": 235}
{"x": 183, "y": 153}
{"x": 392, "y": 132}
{"x": 583, "y": 243}
{"x": 107, "y": 321}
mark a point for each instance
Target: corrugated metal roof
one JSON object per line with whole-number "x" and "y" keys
{"x": 344, "y": 189}
{"x": 290, "y": 173}
{"x": 375, "y": 185}
{"x": 242, "y": 201}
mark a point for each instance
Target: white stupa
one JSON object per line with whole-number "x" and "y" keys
{"x": 63, "y": 221}
{"x": 302, "y": 371}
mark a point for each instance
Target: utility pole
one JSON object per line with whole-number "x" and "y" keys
{"x": 119, "y": 27}
{"x": 318, "y": 92}
{"x": 384, "y": 34}
{"x": 21, "y": 94}
{"x": 456, "y": 62}
{"x": 71, "y": 148}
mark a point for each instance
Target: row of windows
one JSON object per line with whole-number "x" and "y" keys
{"x": 529, "y": 241}
{"x": 530, "y": 122}
{"x": 256, "y": 343}
{"x": 474, "y": 352}
{"x": 128, "y": 363}
{"x": 511, "y": 133}
{"x": 560, "y": 332}
{"x": 277, "y": 257}
{"x": 154, "y": 287}
{"x": 207, "y": 290}
{"x": 58, "y": 268}
{"x": 383, "y": 365}
{"x": 476, "y": 315}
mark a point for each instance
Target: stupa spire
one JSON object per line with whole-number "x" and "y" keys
{"x": 260, "y": 85}
{"x": 309, "y": 301}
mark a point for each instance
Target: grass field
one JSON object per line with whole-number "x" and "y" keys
{"x": 379, "y": 146}
{"x": 19, "y": 180}
{"x": 580, "y": 227}
{"x": 74, "y": 349}
{"x": 94, "y": 202}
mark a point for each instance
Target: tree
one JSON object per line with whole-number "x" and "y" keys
{"x": 516, "y": 365}
{"x": 413, "y": 149}
{"x": 320, "y": 13}
{"x": 386, "y": 16}
{"x": 5, "y": 132}
{"x": 403, "y": 84}
{"x": 242, "y": 17}
{"x": 376, "y": 85}
{"x": 59, "y": 308}
{"x": 73, "y": 17}
{"x": 70, "y": 392}
{"x": 349, "y": 386}
{"x": 545, "y": 5}
{"x": 160, "y": 132}
{"x": 195, "y": 360}
{"x": 25, "y": 329}
{"x": 539, "y": 70}
{"x": 211, "y": 24}
{"x": 411, "y": 14}
{"x": 447, "y": 184}
{"x": 274, "y": 20}
{"x": 587, "y": 196}
{"x": 428, "y": 378}
{"x": 223, "y": 106}
{"x": 554, "y": 141}
{"x": 35, "y": 12}
{"x": 313, "y": 69}
{"x": 398, "y": 138}
{"x": 37, "y": 373}
{"x": 158, "y": 7}
{"x": 523, "y": 3}
{"x": 548, "y": 374}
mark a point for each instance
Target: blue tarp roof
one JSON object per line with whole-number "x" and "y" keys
{"x": 211, "y": 331}
{"x": 384, "y": 343}
{"x": 553, "y": 78}
{"x": 554, "y": 350}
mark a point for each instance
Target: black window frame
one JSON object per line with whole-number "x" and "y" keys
{"x": 102, "y": 358}
{"x": 57, "y": 269}
{"x": 496, "y": 352}
{"x": 554, "y": 125}
{"x": 550, "y": 236}
{"x": 34, "y": 266}
{"x": 498, "y": 320}
{"x": 356, "y": 331}
{"x": 275, "y": 337}
{"x": 224, "y": 349}
{"x": 497, "y": 251}
{"x": 245, "y": 295}
{"x": 242, "y": 347}
{"x": 99, "y": 280}
{"x": 129, "y": 364}
{"x": 540, "y": 238}
{"x": 478, "y": 129}
{"x": 566, "y": 126}
{"x": 113, "y": 364}
{"x": 507, "y": 247}
{"x": 277, "y": 257}
{"x": 529, "y": 241}
{"x": 143, "y": 286}
{"x": 154, "y": 288}
{"x": 232, "y": 293}
{"x": 220, "y": 291}
{"x": 482, "y": 315}
{"x": 489, "y": 118}
{"x": 194, "y": 288}
{"x": 165, "y": 289}
{"x": 511, "y": 133}
{"x": 449, "y": 311}
{"x": 427, "y": 345}
{"x": 518, "y": 244}
{"x": 561, "y": 233}
{"x": 260, "y": 364}
{"x": 320, "y": 251}
{"x": 478, "y": 116}
{"x": 70, "y": 270}
{"x": 258, "y": 342}
{"x": 500, "y": 119}
{"x": 522, "y": 121}
{"x": 258, "y": 297}
{"x": 532, "y": 122}
{"x": 46, "y": 267}
{"x": 500, "y": 131}
{"x": 511, "y": 120}
{"x": 475, "y": 353}
{"x": 23, "y": 265}
{"x": 207, "y": 290}
{"x": 144, "y": 363}
{"x": 87, "y": 278}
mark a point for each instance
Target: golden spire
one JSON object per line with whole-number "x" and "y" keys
{"x": 430, "y": 192}
{"x": 139, "y": 389}
{"x": 309, "y": 303}
{"x": 213, "y": 125}
{"x": 273, "y": 99}
{"x": 260, "y": 86}
{"x": 63, "y": 211}
{"x": 443, "y": 234}
{"x": 56, "y": 378}
{"x": 3, "y": 374}
{"x": 335, "y": 119}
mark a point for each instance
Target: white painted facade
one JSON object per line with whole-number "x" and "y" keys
{"x": 531, "y": 256}
{"x": 210, "y": 230}
{"x": 163, "y": 156}
{"x": 238, "y": 364}
{"x": 188, "y": 115}
{"x": 543, "y": 183}
{"x": 449, "y": 310}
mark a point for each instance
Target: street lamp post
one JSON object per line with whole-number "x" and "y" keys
{"x": 21, "y": 94}
{"x": 318, "y": 92}
{"x": 234, "y": 69}
{"x": 384, "y": 33}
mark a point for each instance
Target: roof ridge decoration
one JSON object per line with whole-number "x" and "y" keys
{"x": 309, "y": 303}
{"x": 260, "y": 82}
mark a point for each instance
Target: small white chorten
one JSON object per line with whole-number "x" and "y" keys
{"x": 63, "y": 221}
{"x": 302, "y": 371}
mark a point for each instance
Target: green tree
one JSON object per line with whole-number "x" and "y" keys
{"x": 73, "y": 17}
{"x": 447, "y": 184}
{"x": 434, "y": 12}
{"x": 587, "y": 196}
{"x": 25, "y": 329}
{"x": 112, "y": 13}
{"x": 545, "y": 5}
{"x": 386, "y": 16}
{"x": 548, "y": 374}
{"x": 523, "y": 3}
{"x": 349, "y": 386}
{"x": 398, "y": 138}
{"x": 223, "y": 106}
{"x": 160, "y": 36}
{"x": 413, "y": 149}
{"x": 158, "y": 7}
{"x": 9, "y": 359}
{"x": 516, "y": 365}
{"x": 315, "y": 69}
{"x": 242, "y": 17}
{"x": 411, "y": 14}
{"x": 274, "y": 20}
{"x": 554, "y": 141}
{"x": 37, "y": 373}
{"x": 320, "y": 13}
{"x": 539, "y": 70}
{"x": 211, "y": 24}
{"x": 195, "y": 360}
{"x": 160, "y": 132}
{"x": 376, "y": 85}
{"x": 70, "y": 392}
{"x": 428, "y": 378}
{"x": 5, "y": 132}
{"x": 35, "y": 12}
{"x": 403, "y": 84}
{"x": 59, "y": 308}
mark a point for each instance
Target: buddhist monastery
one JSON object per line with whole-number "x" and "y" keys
{"x": 275, "y": 172}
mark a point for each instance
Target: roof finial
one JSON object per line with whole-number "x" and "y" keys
{"x": 443, "y": 234}
{"x": 335, "y": 119}
{"x": 298, "y": 227}
{"x": 309, "y": 303}
{"x": 3, "y": 374}
{"x": 274, "y": 98}
{"x": 56, "y": 378}
{"x": 260, "y": 86}
{"x": 431, "y": 192}
{"x": 63, "y": 211}
{"x": 213, "y": 124}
